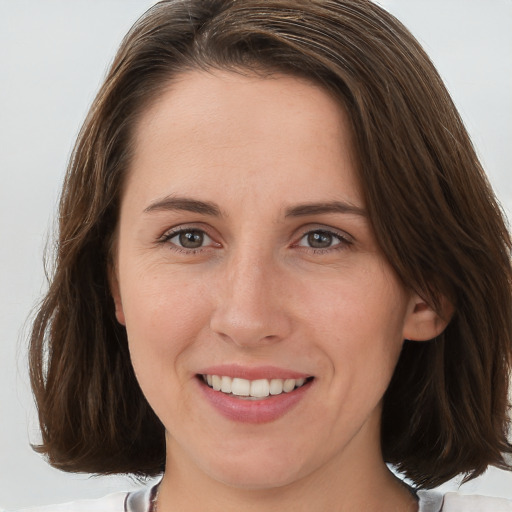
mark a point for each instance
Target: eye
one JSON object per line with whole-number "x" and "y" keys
{"x": 188, "y": 239}
{"x": 322, "y": 239}
{"x": 192, "y": 239}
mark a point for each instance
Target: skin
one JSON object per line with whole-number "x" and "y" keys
{"x": 257, "y": 293}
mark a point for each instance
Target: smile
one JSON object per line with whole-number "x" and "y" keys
{"x": 252, "y": 389}
{"x": 253, "y": 395}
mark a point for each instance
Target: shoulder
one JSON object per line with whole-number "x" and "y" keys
{"x": 454, "y": 502}
{"x": 135, "y": 501}
{"x": 432, "y": 501}
{"x": 110, "y": 503}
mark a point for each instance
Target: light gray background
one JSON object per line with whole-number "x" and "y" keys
{"x": 53, "y": 55}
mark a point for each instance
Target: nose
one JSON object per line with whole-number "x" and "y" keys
{"x": 250, "y": 306}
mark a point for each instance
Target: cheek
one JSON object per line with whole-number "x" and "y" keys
{"x": 164, "y": 321}
{"x": 162, "y": 305}
{"x": 362, "y": 308}
{"x": 358, "y": 324}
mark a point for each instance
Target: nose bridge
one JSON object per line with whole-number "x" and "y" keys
{"x": 249, "y": 308}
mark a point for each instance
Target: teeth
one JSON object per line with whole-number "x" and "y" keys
{"x": 225, "y": 386}
{"x": 260, "y": 388}
{"x": 288, "y": 385}
{"x": 240, "y": 387}
{"x": 216, "y": 382}
{"x": 276, "y": 386}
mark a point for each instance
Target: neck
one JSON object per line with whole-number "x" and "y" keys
{"x": 356, "y": 479}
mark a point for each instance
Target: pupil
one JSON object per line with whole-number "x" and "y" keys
{"x": 191, "y": 239}
{"x": 319, "y": 240}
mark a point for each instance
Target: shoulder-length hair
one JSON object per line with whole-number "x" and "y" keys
{"x": 433, "y": 212}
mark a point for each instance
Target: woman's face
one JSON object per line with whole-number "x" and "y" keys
{"x": 245, "y": 260}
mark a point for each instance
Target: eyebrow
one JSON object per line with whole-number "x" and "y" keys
{"x": 304, "y": 210}
{"x": 171, "y": 203}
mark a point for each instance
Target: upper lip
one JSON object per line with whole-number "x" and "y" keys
{"x": 252, "y": 372}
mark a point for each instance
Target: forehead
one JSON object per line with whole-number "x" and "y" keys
{"x": 246, "y": 131}
{"x": 197, "y": 99}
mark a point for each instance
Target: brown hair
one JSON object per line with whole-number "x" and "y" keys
{"x": 432, "y": 209}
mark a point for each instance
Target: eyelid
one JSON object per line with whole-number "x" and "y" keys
{"x": 345, "y": 239}
{"x": 181, "y": 228}
{"x": 192, "y": 226}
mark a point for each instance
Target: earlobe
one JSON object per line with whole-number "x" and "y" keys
{"x": 116, "y": 295}
{"x": 423, "y": 322}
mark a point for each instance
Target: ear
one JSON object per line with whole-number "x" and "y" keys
{"x": 116, "y": 294}
{"x": 422, "y": 322}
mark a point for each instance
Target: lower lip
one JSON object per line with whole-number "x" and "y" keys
{"x": 253, "y": 411}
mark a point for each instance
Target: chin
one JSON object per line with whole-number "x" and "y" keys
{"x": 258, "y": 473}
{"x": 258, "y": 480}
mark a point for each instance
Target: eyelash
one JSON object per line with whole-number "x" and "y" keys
{"x": 167, "y": 237}
{"x": 344, "y": 241}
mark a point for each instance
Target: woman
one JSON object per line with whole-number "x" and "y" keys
{"x": 280, "y": 266}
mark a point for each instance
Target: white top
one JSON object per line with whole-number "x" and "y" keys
{"x": 139, "y": 501}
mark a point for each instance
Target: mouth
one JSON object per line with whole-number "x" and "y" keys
{"x": 256, "y": 395}
{"x": 258, "y": 389}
